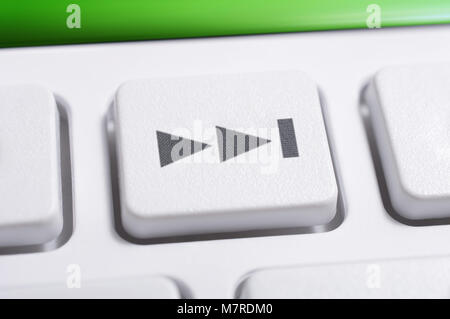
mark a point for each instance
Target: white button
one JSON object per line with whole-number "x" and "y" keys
{"x": 30, "y": 173}
{"x": 114, "y": 288}
{"x": 414, "y": 278}
{"x": 280, "y": 175}
{"x": 410, "y": 113}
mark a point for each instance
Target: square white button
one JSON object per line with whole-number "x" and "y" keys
{"x": 282, "y": 175}
{"x": 30, "y": 168}
{"x": 410, "y": 114}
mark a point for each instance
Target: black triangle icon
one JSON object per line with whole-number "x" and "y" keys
{"x": 233, "y": 143}
{"x": 173, "y": 148}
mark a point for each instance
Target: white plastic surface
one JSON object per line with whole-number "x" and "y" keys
{"x": 129, "y": 288}
{"x": 86, "y": 78}
{"x": 411, "y": 278}
{"x": 258, "y": 189}
{"x": 411, "y": 120}
{"x": 30, "y": 172}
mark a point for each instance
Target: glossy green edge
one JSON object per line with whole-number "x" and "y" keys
{"x": 44, "y": 22}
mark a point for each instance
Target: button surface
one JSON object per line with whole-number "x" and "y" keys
{"x": 410, "y": 114}
{"x": 128, "y": 288}
{"x": 412, "y": 278}
{"x": 30, "y": 173}
{"x": 224, "y": 153}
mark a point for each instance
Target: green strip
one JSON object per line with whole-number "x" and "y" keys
{"x": 44, "y": 22}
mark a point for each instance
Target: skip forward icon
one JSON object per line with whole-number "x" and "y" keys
{"x": 230, "y": 143}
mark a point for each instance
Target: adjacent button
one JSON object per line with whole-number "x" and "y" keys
{"x": 216, "y": 154}
{"x": 30, "y": 171}
{"x": 114, "y": 288}
{"x": 410, "y": 116}
{"x": 413, "y": 278}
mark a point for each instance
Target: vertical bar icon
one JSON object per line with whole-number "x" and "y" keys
{"x": 287, "y": 138}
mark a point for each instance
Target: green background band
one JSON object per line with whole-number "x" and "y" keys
{"x": 43, "y": 22}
